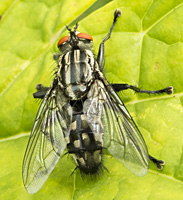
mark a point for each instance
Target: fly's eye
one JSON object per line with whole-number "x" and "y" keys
{"x": 62, "y": 40}
{"x": 85, "y": 36}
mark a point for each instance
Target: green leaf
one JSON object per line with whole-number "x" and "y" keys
{"x": 145, "y": 49}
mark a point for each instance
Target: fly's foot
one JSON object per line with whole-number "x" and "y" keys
{"x": 169, "y": 90}
{"x": 158, "y": 163}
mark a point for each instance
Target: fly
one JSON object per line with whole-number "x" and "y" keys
{"x": 82, "y": 112}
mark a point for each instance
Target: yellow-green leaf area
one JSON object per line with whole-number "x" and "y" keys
{"x": 145, "y": 49}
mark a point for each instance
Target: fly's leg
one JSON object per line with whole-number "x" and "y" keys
{"x": 119, "y": 87}
{"x": 100, "y": 56}
{"x": 41, "y": 91}
{"x": 158, "y": 163}
{"x": 167, "y": 90}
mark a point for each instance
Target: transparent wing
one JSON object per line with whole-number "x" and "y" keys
{"x": 107, "y": 115}
{"x": 47, "y": 140}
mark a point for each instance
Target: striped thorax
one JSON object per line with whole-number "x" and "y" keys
{"x": 76, "y": 72}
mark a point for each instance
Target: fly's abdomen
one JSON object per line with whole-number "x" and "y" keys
{"x": 84, "y": 146}
{"x": 76, "y": 73}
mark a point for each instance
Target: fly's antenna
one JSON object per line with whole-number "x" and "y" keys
{"x": 73, "y": 39}
{"x": 68, "y": 28}
{"x": 75, "y": 28}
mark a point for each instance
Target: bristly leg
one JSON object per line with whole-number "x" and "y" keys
{"x": 119, "y": 87}
{"x": 100, "y": 56}
{"x": 158, "y": 163}
{"x": 74, "y": 170}
{"x": 41, "y": 91}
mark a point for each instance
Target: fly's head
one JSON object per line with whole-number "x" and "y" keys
{"x": 75, "y": 40}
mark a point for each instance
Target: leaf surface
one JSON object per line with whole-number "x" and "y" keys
{"x": 145, "y": 50}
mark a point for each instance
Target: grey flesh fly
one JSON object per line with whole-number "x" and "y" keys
{"x": 82, "y": 112}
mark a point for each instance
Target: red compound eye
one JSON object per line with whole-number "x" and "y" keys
{"x": 85, "y": 36}
{"x": 62, "y": 40}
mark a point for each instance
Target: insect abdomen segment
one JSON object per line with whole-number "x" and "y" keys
{"x": 84, "y": 146}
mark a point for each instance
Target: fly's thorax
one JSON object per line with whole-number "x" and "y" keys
{"x": 76, "y": 72}
{"x": 84, "y": 145}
